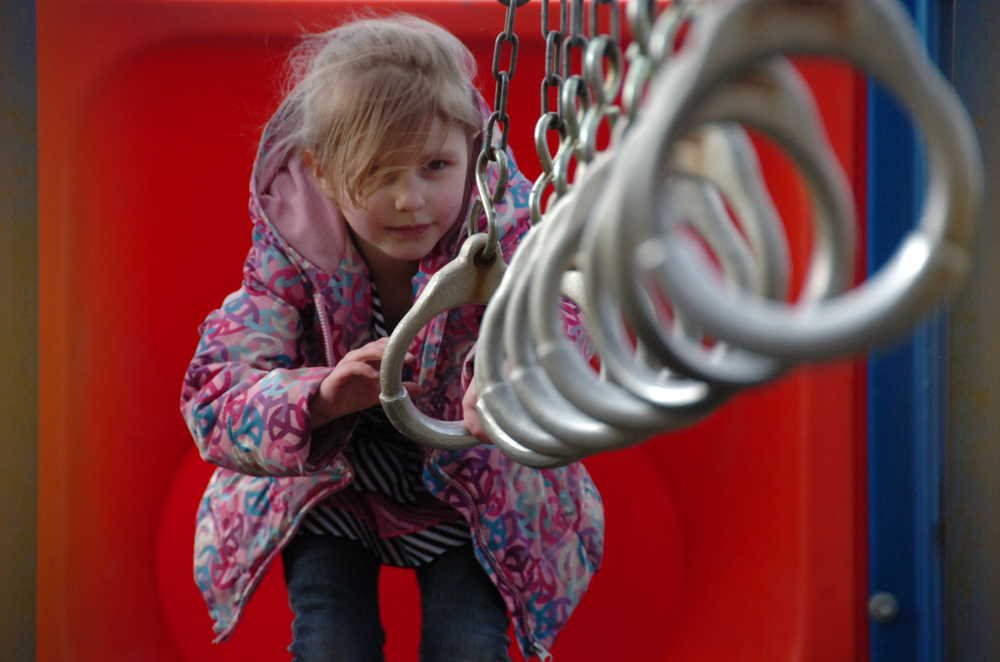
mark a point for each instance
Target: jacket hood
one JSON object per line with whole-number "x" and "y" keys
{"x": 304, "y": 220}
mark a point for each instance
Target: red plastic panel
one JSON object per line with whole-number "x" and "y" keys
{"x": 739, "y": 539}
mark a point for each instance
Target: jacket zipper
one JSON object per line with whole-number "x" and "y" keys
{"x": 324, "y": 326}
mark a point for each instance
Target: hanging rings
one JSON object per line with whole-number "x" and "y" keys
{"x": 632, "y": 239}
{"x": 877, "y": 36}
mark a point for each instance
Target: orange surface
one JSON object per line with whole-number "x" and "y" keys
{"x": 742, "y": 538}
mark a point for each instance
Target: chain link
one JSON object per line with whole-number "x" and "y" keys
{"x": 495, "y": 151}
{"x": 615, "y": 31}
{"x": 551, "y": 80}
{"x": 549, "y": 120}
{"x": 574, "y": 41}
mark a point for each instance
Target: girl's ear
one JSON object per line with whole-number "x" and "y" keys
{"x": 309, "y": 159}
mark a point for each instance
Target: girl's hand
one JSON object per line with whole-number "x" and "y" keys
{"x": 471, "y": 417}
{"x": 353, "y": 385}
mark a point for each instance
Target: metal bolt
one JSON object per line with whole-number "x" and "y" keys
{"x": 883, "y": 607}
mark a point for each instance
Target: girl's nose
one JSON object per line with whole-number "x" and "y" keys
{"x": 409, "y": 193}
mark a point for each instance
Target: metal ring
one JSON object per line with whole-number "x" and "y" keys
{"x": 774, "y": 99}
{"x": 638, "y": 372}
{"x": 878, "y": 37}
{"x": 604, "y": 401}
{"x": 535, "y": 390}
{"x": 724, "y": 154}
{"x": 506, "y": 422}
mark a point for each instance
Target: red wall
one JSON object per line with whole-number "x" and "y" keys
{"x": 741, "y": 538}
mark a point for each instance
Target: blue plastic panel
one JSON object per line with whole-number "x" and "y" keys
{"x": 906, "y": 398}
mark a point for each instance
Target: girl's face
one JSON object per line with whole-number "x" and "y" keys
{"x": 400, "y": 222}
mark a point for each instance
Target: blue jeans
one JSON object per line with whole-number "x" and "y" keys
{"x": 333, "y": 590}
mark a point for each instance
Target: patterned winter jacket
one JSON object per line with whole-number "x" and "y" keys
{"x": 305, "y": 302}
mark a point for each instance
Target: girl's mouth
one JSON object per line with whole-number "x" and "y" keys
{"x": 409, "y": 230}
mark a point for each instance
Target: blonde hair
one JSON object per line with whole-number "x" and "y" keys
{"x": 362, "y": 96}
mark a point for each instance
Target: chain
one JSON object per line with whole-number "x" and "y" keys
{"x": 667, "y": 29}
{"x": 553, "y": 51}
{"x": 640, "y": 65}
{"x": 587, "y": 95}
{"x": 653, "y": 44}
{"x": 614, "y": 19}
{"x": 496, "y": 153}
{"x": 573, "y": 99}
{"x": 603, "y": 49}
{"x": 549, "y": 120}
{"x": 575, "y": 40}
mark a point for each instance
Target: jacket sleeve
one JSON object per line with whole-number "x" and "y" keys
{"x": 245, "y": 396}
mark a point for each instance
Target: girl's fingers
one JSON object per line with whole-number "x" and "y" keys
{"x": 365, "y": 370}
{"x": 475, "y": 426}
{"x": 373, "y": 355}
{"x": 374, "y": 347}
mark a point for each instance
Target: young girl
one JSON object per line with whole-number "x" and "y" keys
{"x": 358, "y": 194}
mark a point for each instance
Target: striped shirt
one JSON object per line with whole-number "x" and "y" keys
{"x": 387, "y": 508}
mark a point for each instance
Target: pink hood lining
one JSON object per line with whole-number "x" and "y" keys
{"x": 308, "y": 220}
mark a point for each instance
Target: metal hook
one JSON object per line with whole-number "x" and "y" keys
{"x": 487, "y": 199}
{"x": 464, "y": 280}
{"x": 603, "y": 88}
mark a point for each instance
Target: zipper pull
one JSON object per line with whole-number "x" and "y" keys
{"x": 543, "y": 655}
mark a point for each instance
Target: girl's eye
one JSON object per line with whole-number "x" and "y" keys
{"x": 437, "y": 164}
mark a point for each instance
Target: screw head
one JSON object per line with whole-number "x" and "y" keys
{"x": 883, "y": 607}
